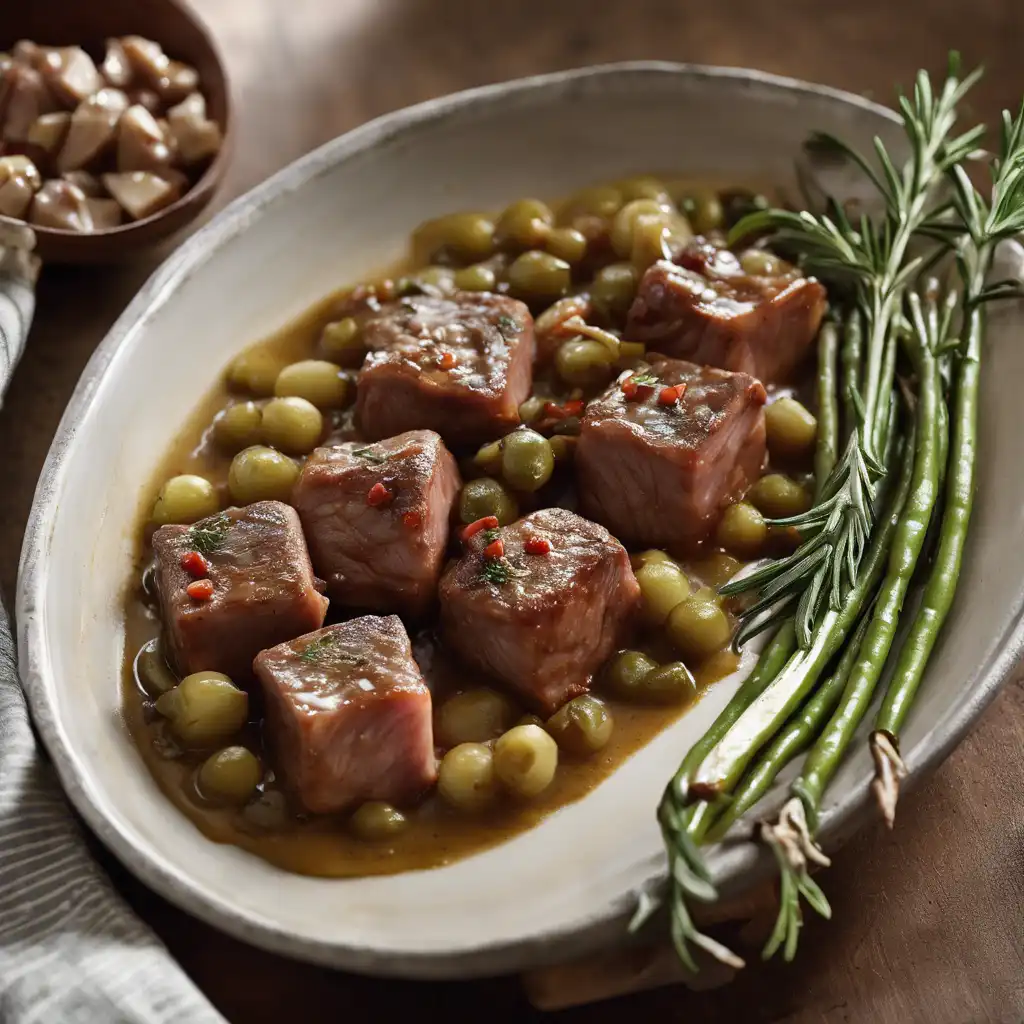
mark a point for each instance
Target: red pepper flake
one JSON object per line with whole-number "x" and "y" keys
{"x": 378, "y": 494}
{"x": 412, "y": 520}
{"x": 670, "y": 395}
{"x": 200, "y": 590}
{"x": 537, "y": 546}
{"x": 629, "y": 387}
{"x": 574, "y": 407}
{"x": 446, "y": 360}
{"x": 496, "y": 549}
{"x": 555, "y": 411}
{"x": 486, "y": 523}
{"x": 195, "y": 565}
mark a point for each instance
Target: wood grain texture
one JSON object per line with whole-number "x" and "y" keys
{"x": 928, "y": 921}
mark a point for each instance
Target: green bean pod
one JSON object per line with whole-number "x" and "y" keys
{"x": 908, "y": 541}
{"x": 851, "y": 359}
{"x": 826, "y": 452}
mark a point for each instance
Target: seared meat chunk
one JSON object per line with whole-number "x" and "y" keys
{"x": 659, "y": 474}
{"x": 541, "y": 621}
{"x": 348, "y": 715}
{"x": 264, "y": 590}
{"x": 376, "y": 519}
{"x": 459, "y": 365}
{"x": 705, "y": 308}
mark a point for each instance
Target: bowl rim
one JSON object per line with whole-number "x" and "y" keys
{"x": 737, "y": 865}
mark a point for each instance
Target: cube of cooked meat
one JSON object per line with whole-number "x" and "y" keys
{"x": 660, "y": 474}
{"x": 348, "y": 715}
{"x": 376, "y": 519}
{"x": 541, "y": 623}
{"x": 459, "y": 365}
{"x": 705, "y": 308}
{"x": 264, "y": 591}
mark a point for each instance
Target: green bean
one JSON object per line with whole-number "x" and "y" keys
{"x": 828, "y": 410}
{"x": 797, "y": 735}
{"x": 852, "y": 358}
{"x": 908, "y": 540}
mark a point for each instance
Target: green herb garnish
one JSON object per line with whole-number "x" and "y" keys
{"x": 644, "y": 379}
{"x": 506, "y": 323}
{"x": 496, "y": 570}
{"x": 490, "y": 536}
{"x": 209, "y": 534}
{"x": 369, "y": 454}
{"x": 326, "y": 644}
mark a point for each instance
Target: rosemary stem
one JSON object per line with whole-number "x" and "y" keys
{"x": 827, "y": 449}
{"x": 852, "y": 367}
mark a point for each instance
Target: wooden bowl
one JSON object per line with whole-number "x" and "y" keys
{"x": 184, "y": 37}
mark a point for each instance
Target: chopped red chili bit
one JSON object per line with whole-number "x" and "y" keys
{"x": 555, "y": 411}
{"x": 446, "y": 360}
{"x": 496, "y": 549}
{"x": 200, "y": 590}
{"x": 574, "y": 407}
{"x": 629, "y": 387}
{"x": 378, "y": 494}
{"x": 537, "y": 546}
{"x": 412, "y": 520}
{"x": 195, "y": 564}
{"x": 486, "y": 523}
{"x": 670, "y": 395}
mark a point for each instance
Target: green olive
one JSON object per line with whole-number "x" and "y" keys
{"x": 583, "y": 726}
{"x": 477, "y": 278}
{"x": 778, "y": 497}
{"x": 583, "y": 362}
{"x": 742, "y": 530}
{"x": 230, "y": 776}
{"x": 488, "y": 457}
{"x": 524, "y": 224}
{"x": 292, "y": 425}
{"x": 316, "y": 380}
{"x": 717, "y": 569}
{"x": 525, "y": 760}
{"x": 759, "y": 263}
{"x": 342, "y": 340}
{"x": 531, "y": 409}
{"x": 467, "y": 237}
{"x": 626, "y": 221}
{"x": 538, "y": 276}
{"x": 642, "y": 558}
{"x": 669, "y": 684}
{"x": 153, "y": 670}
{"x": 602, "y": 201}
{"x": 465, "y": 778}
{"x": 698, "y": 627}
{"x": 613, "y": 290}
{"x": 703, "y": 208}
{"x": 432, "y": 278}
{"x": 261, "y": 474}
{"x": 567, "y": 244}
{"x": 375, "y": 821}
{"x": 563, "y": 448}
{"x": 473, "y": 716}
{"x": 204, "y": 708}
{"x": 624, "y": 675}
{"x": 643, "y": 187}
{"x": 254, "y": 371}
{"x": 526, "y": 460}
{"x": 791, "y": 429}
{"x": 185, "y": 499}
{"x": 487, "y": 497}
{"x": 662, "y": 586}
{"x": 238, "y": 426}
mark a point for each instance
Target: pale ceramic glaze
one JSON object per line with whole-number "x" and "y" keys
{"x": 568, "y": 885}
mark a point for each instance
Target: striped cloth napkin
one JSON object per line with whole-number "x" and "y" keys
{"x": 71, "y": 950}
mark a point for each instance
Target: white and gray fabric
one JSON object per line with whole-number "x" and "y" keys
{"x": 71, "y": 950}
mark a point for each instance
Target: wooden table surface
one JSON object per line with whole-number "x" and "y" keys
{"x": 929, "y": 921}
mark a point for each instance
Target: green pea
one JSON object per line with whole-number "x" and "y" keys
{"x": 698, "y": 627}
{"x": 642, "y": 558}
{"x": 376, "y": 821}
{"x": 473, "y": 716}
{"x": 737, "y": 203}
{"x": 230, "y": 776}
{"x": 531, "y": 409}
{"x": 643, "y": 187}
{"x": 613, "y": 290}
{"x": 779, "y": 497}
{"x": 486, "y": 497}
{"x": 316, "y": 380}
{"x": 602, "y": 201}
{"x": 526, "y": 460}
{"x": 342, "y": 340}
{"x": 626, "y": 220}
{"x": 704, "y": 210}
{"x": 583, "y": 362}
{"x": 466, "y": 779}
{"x": 582, "y": 726}
{"x": 718, "y": 568}
{"x": 466, "y": 237}
{"x": 669, "y": 684}
{"x": 292, "y": 425}
{"x": 563, "y": 448}
{"x": 791, "y": 429}
{"x": 204, "y": 708}
{"x": 538, "y": 276}
{"x": 261, "y": 474}
{"x": 185, "y": 499}
{"x": 477, "y": 278}
{"x": 625, "y": 673}
{"x": 238, "y": 426}
{"x": 431, "y": 279}
{"x": 488, "y": 458}
{"x": 153, "y": 670}
{"x": 567, "y": 244}
{"x": 759, "y": 263}
{"x": 742, "y": 530}
{"x": 268, "y": 812}
{"x": 663, "y": 585}
{"x": 255, "y": 372}
{"x": 524, "y": 224}
{"x": 525, "y": 761}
